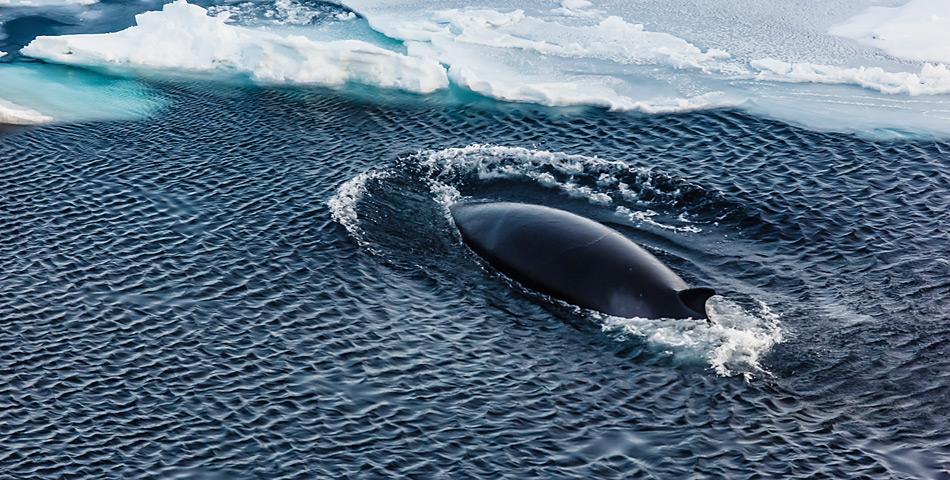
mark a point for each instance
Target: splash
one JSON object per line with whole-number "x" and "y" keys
{"x": 630, "y": 191}
{"x": 343, "y": 205}
{"x": 644, "y": 197}
{"x": 733, "y": 342}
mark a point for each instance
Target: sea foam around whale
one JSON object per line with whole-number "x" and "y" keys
{"x": 733, "y": 343}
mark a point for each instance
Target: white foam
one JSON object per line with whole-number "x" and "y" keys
{"x": 344, "y": 203}
{"x": 733, "y": 342}
{"x": 647, "y": 217}
{"x": 13, "y": 114}
{"x": 595, "y": 180}
{"x": 206, "y": 44}
{"x": 917, "y": 30}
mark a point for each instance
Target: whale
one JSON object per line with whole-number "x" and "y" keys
{"x": 577, "y": 260}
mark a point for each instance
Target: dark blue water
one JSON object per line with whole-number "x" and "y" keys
{"x": 263, "y": 283}
{"x": 177, "y": 301}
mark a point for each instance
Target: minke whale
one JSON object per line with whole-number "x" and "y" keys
{"x": 576, "y": 260}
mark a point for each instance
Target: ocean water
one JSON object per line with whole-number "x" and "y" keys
{"x": 259, "y": 281}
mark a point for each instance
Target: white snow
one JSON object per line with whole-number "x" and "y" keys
{"x": 568, "y": 93}
{"x": 611, "y": 38}
{"x": 932, "y": 79}
{"x": 183, "y": 37}
{"x": 610, "y": 59}
{"x": 917, "y": 30}
{"x": 575, "y": 4}
{"x": 512, "y": 55}
{"x": 575, "y": 8}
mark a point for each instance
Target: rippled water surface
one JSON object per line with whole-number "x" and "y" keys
{"x": 262, "y": 283}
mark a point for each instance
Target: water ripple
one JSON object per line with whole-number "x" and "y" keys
{"x": 178, "y": 301}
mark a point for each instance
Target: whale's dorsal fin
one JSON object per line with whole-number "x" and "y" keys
{"x": 695, "y": 299}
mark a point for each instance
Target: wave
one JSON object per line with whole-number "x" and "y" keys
{"x": 343, "y": 204}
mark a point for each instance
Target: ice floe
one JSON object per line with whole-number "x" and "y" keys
{"x": 13, "y": 114}
{"x": 183, "y": 37}
{"x": 780, "y": 59}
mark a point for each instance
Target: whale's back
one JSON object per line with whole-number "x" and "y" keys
{"x": 575, "y": 259}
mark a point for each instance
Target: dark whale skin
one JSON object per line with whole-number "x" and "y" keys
{"x": 577, "y": 260}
